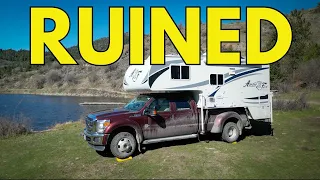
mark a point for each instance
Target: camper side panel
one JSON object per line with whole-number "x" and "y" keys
{"x": 247, "y": 87}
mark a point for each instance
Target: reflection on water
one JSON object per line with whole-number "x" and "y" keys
{"x": 46, "y": 111}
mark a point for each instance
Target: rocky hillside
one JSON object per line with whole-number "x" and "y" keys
{"x": 16, "y": 75}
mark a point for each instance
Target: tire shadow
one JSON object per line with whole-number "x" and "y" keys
{"x": 206, "y": 138}
{"x": 159, "y": 145}
{"x": 259, "y": 128}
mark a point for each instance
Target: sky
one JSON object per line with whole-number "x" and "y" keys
{"x": 15, "y": 19}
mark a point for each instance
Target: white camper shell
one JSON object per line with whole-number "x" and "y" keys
{"x": 213, "y": 86}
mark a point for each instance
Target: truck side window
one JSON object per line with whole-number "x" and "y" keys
{"x": 161, "y": 103}
{"x": 182, "y": 105}
{"x": 175, "y": 72}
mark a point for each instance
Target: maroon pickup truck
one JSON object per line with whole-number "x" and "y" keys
{"x": 156, "y": 117}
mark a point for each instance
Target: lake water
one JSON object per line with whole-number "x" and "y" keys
{"x": 42, "y": 112}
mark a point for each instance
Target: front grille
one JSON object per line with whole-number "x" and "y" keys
{"x": 89, "y": 124}
{"x": 88, "y": 138}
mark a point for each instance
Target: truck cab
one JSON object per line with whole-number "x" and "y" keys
{"x": 148, "y": 118}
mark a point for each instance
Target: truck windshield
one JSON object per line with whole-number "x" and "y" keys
{"x": 137, "y": 103}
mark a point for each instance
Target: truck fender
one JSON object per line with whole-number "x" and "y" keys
{"x": 115, "y": 125}
{"x": 220, "y": 120}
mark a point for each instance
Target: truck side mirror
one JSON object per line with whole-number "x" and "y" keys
{"x": 154, "y": 112}
{"x": 150, "y": 113}
{"x": 146, "y": 111}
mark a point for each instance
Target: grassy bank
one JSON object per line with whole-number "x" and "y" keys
{"x": 293, "y": 152}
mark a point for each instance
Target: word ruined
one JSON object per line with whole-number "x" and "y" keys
{"x": 161, "y": 23}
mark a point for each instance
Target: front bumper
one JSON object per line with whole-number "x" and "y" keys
{"x": 96, "y": 140}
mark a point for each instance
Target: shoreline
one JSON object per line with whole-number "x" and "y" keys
{"x": 59, "y": 125}
{"x": 70, "y": 92}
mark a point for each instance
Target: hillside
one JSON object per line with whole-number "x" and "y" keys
{"x": 17, "y": 75}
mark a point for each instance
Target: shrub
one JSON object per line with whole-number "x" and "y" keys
{"x": 111, "y": 67}
{"x": 108, "y": 76}
{"x": 56, "y": 65}
{"x": 38, "y": 81}
{"x": 119, "y": 74}
{"x": 16, "y": 70}
{"x": 312, "y": 51}
{"x": 113, "y": 83}
{"x": 9, "y": 127}
{"x": 299, "y": 103}
{"x": 301, "y": 36}
{"x": 227, "y": 48}
{"x": 93, "y": 77}
{"x": 317, "y": 9}
{"x": 282, "y": 87}
{"x": 53, "y": 76}
{"x": 17, "y": 84}
{"x": 308, "y": 73}
{"x": 71, "y": 79}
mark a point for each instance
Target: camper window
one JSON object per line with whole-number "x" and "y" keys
{"x": 216, "y": 79}
{"x": 175, "y": 72}
{"x": 184, "y": 72}
{"x": 180, "y": 72}
{"x": 220, "y": 79}
{"x": 213, "y": 79}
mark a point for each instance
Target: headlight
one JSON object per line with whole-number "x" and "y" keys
{"x": 101, "y": 125}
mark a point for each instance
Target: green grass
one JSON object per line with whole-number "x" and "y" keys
{"x": 293, "y": 152}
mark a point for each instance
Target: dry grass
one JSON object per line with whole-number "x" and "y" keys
{"x": 10, "y": 127}
{"x": 298, "y": 103}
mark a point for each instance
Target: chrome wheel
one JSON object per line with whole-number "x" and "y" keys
{"x": 124, "y": 145}
{"x": 232, "y": 132}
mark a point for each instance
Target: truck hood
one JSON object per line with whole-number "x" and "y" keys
{"x": 109, "y": 113}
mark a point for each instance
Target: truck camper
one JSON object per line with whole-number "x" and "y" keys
{"x": 182, "y": 101}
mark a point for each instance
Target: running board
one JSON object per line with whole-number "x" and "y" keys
{"x": 150, "y": 141}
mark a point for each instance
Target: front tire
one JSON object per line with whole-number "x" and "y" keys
{"x": 230, "y": 132}
{"x": 123, "y": 145}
